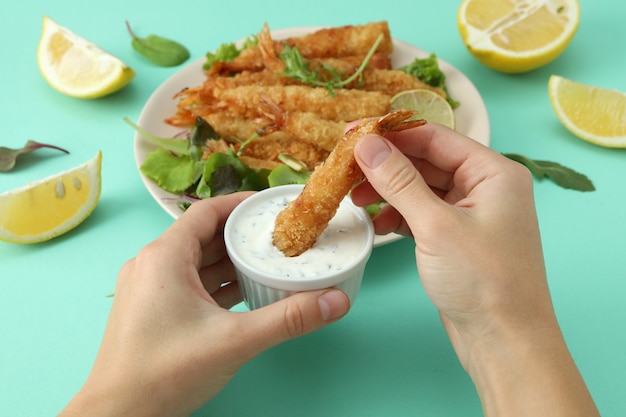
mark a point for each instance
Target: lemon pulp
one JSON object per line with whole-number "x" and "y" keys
{"x": 76, "y": 67}
{"x": 429, "y": 105}
{"x": 517, "y": 36}
{"x": 52, "y": 206}
{"x": 597, "y": 115}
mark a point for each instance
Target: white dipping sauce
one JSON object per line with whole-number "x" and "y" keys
{"x": 339, "y": 245}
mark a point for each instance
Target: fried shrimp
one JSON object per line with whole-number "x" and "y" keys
{"x": 304, "y": 219}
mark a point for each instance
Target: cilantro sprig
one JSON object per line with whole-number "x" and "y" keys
{"x": 324, "y": 76}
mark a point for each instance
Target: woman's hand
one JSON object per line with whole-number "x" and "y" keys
{"x": 471, "y": 213}
{"x": 170, "y": 343}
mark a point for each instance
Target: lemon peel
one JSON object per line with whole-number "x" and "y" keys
{"x": 513, "y": 36}
{"x": 76, "y": 67}
{"x": 596, "y": 115}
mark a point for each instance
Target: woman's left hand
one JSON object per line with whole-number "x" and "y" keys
{"x": 170, "y": 343}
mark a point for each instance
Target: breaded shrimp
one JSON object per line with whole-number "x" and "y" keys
{"x": 304, "y": 219}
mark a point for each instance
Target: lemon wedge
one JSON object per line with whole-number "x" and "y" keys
{"x": 76, "y": 67}
{"x": 52, "y": 206}
{"x": 594, "y": 114}
{"x": 514, "y": 36}
{"x": 429, "y": 105}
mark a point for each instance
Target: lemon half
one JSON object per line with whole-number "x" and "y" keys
{"x": 52, "y": 206}
{"x": 76, "y": 67}
{"x": 515, "y": 36}
{"x": 597, "y": 115}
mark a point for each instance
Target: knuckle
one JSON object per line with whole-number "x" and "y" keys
{"x": 402, "y": 179}
{"x": 295, "y": 323}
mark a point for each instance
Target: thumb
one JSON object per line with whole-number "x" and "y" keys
{"x": 292, "y": 317}
{"x": 393, "y": 176}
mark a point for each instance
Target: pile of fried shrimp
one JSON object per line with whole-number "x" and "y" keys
{"x": 248, "y": 96}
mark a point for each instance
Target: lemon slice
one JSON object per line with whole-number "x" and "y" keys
{"x": 77, "y": 67}
{"x": 517, "y": 36}
{"x": 594, "y": 114}
{"x": 52, "y": 206}
{"x": 430, "y": 106}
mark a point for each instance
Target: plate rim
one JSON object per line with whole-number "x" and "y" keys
{"x": 177, "y": 81}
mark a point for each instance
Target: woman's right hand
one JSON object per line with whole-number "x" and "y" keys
{"x": 471, "y": 213}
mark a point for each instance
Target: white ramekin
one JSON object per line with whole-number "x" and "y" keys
{"x": 260, "y": 288}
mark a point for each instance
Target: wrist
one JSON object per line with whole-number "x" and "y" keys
{"x": 528, "y": 371}
{"x": 105, "y": 397}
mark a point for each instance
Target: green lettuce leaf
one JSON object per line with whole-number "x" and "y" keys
{"x": 225, "y": 174}
{"x": 177, "y": 146}
{"x": 283, "y": 175}
{"x": 172, "y": 173}
{"x": 428, "y": 71}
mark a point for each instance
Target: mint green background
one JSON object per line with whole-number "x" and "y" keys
{"x": 390, "y": 355}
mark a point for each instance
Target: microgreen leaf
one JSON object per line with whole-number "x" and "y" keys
{"x": 202, "y": 132}
{"x": 427, "y": 70}
{"x": 561, "y": 175}
{"x": 246, "y": 143}
{"x": 284, "y": 174}
{"x": 228, "y": 52}
{"x": 224, "y": 180}
{"x": 174, "y": 145}
{"x": 8, "y": 156}
{"x": 298, "y": 69}
{"x": 226, "y": 173}
{"x": 161, "y": 51}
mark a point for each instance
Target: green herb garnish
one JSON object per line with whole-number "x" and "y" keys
{"x": 159, "y": 50}
{"x": 228, "y": 52}
{"x": 428, "y": 71}
{"x": 225, "y": 173}
{"x": 325, "y": 76}
{"x": 177, "y": 165}
{"x": 561, "y": 175}
{"x": 284, "y": 174}
{"x": 173, "y": 173}
{"x": 174, "y": 145}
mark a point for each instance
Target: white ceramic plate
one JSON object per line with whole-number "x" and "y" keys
{"x": 471, "y": 115}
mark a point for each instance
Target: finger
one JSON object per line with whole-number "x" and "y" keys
{"x": 228, "y": 295}
{"x": 364, "y": 194}
{"x": 389, "y": 220}
{"x": 198, "y": 233}
{"x": 396, "y": 179}
{"x": 214, "y": 250}
{"x": 289, "y": 318}
{"x": 439, "y": 181}
{"x": 217, "y": 274}
{"x": 460, "y": 162}
{"x": 445, "y": 148}
{"x": 205, "y": 219}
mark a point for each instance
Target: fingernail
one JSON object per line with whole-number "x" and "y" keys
{"x": 333, "y": 304}
{"x": 373, "y": 150}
